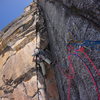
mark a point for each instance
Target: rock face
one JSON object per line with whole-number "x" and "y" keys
{"x": 20, "y": 78}
{"x": 56, "y": 26}
{"x": 70, "y": 21}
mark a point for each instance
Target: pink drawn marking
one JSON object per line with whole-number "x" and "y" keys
{"x": 72, "y": 72}
{"x": 82, "y": 50}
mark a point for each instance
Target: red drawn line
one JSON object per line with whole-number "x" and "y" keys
{"x": 82, "y": 50}
{"x": 93, "y": 80}
{"x": 72, "y": 72}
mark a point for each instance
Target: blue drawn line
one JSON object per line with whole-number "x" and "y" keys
{"x": 88, "y": 43}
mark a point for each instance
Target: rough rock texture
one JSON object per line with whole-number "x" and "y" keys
{"x": 76, "y": 20}
{"x": 52, "y": 25}
{"x": 20, "y": 78}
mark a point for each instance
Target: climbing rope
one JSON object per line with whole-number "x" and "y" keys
{"x": 36, "y": 65}
{"x": 45, "y": 89}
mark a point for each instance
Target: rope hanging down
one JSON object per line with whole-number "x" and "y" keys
{"x": 37, "y": 67}
{"x": 45, "y": 89}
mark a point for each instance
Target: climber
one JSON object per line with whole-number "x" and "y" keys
{"x": 41, "y": 57}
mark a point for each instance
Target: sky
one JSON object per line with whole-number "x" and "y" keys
{"x": 10, "y": 10}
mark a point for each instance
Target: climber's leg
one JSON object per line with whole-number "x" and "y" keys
{"x": 47, "y": 60}
{"x": 43, "y": 68}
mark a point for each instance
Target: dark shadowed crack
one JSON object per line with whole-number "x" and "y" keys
{"x": 7, "y": 48}
{"x": 37, "y": 92}
{"x": 8, "y": 59}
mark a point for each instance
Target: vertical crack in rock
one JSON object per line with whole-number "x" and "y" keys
{"x": 75, "y": 22}
{"x": 53, "y": 26}
{"x": 19, "y": 73}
